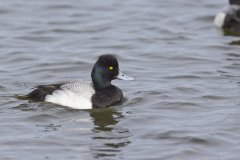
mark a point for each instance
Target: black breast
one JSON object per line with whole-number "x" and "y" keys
{"x": 106, "y": 97}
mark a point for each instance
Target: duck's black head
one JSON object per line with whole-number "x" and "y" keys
{"x": 105, "y": 70}
{"x": 234, "y": 2}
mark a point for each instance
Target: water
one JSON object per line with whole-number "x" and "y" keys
{"x": 184, "y": 103}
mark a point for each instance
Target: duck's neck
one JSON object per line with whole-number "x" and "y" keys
{"x": 98, "y": 79}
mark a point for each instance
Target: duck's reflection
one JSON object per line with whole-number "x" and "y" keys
{"x": 105, "y": 119}
{"x": 228, "y": 32}
{"x": 231, "y": 32}
{"x": 236, "y": 42}
{"x": 108, "y": 138}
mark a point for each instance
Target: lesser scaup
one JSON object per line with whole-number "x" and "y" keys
{"x": 85, "y": 94}
{"x": 229, "y": 18}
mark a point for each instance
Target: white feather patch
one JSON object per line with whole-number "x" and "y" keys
{"x": 219, "y": 19}
{"x": 73, "y": 94}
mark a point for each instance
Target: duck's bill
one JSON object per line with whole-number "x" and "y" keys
{"x": 123, "y": 76}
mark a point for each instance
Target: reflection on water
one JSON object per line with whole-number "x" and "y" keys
{"x": 235, "y": 33}
{"x": 231, "y": 32}
{"x": 105, "y": 119}
{"x": 108, "y": 138}
{"x": 36, "y": 106}
{"x": 49, "y": 127}
{"x": 237, "y": 42}
{"x": 231, "y": 69}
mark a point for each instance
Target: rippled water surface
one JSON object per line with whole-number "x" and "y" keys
{"x": 184, "y": 103}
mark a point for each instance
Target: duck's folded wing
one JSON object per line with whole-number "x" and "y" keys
{"x": 42, "y": 91}
{"x": 79, "y": 87}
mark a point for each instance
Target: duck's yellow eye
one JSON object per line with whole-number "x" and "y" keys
{"x": 111, "y": 68}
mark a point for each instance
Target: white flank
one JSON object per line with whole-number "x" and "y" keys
{"x": 219, "y": 19}
{"x": 75, "y": 95}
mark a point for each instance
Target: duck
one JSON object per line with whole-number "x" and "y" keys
{"x": 229, "y": 18}
{"x": 81, "y": 94}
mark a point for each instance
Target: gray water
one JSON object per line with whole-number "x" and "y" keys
{"x": 184, "y": 103}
